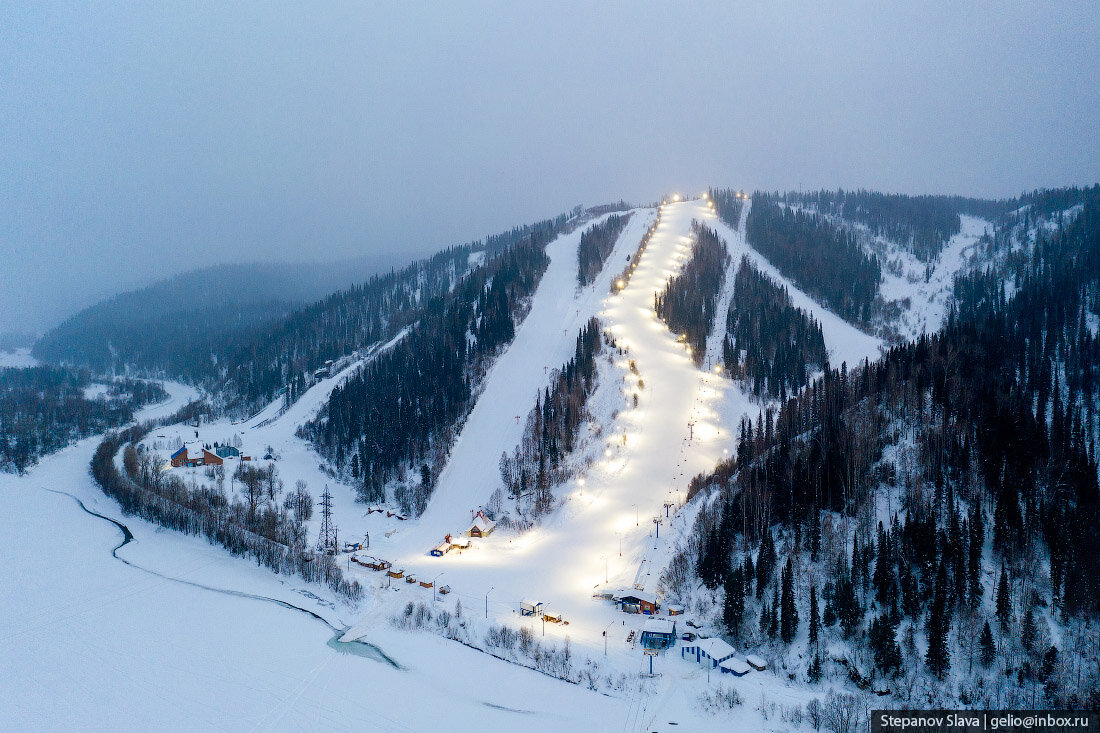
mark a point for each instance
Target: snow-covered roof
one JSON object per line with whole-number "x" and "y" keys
{"x": 716, "y": 648}
{"x": 737, "y": 666}
{"x": 659, "y": 626}
{"x": 531, "y": 604}
{"x": 483, "y": 525}
{"x": 756, "y": 661}
{"x": 641, "y": 595}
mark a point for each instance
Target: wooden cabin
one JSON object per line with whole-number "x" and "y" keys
{"x": 639, "y": 601}
{"x": 395, "y": 573}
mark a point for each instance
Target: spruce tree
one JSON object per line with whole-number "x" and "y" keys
{"x": 733, "y": 612}
{"x": 773, "y": 621}
{"x": 884, "y": 644}
{"x": 789, "y": 612}
{"x": 815, "y": 621}
{"x": 1004, "y": 600}
{"x": 1028, "y": 631}
{"x": 988, "y": 649}
{"x": 814, "y": 671}
{"x": 938, "y": 657}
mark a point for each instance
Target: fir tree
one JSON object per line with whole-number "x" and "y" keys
{"x": 884, "y": 644}
{"x": 1028, "y": 631}
{"x": 789, "y": 613}
{"x": 733, "y": 611}
{"x": 988, "y": 649}
{"x": 938, "y": 657}
{"x": 773, "y": 619}
{"x": 1004, "y": 601}
{"x": 815, "y": 621}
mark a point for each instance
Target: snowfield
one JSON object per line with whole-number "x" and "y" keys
{"x": 929, "y": 300}
{"x": 17, "y": 358}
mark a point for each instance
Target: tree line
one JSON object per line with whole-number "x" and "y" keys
{"x": 538, "y": 462}
{"x": 728, "y": 204}
{"x": 395, "y": 418}
{"x": 822, "y": 258}
{"x": 272, "y": 534}
{"x": 690, "y": 299}
{"x": 769, "y": 344}
{"x": 45, "y": 408}
{"x": 596, "y": 245}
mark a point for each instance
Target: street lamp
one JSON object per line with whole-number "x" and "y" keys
{"x": 435, "y": 596}
{"x": 604, "y": 558}
{"x": 605, "y": 637}
{"x": 637, "y": 521}
{"x": 487, "y": 600}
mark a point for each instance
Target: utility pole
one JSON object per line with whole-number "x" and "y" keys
{"x": 691, "y": 431}
{"x": 668, "y": 505}
{"x": 327, "y": 537}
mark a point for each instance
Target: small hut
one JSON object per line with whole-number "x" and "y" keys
{"x": 736, "y": 667}
{"x": 756, "y": 662}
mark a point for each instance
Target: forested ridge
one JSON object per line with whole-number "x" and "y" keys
{"x": 689, "y": 301}
{"x": 823, "y": 259}
{"x": 596, "y": 245}
{"x": 769, "y": 344}
{"x": 397, "y": 416}
{"x": 246, "y": 348}
{"x": 945, "y": 499}
{"x": 538, "y": 463}
{"x": 728, "y": 204}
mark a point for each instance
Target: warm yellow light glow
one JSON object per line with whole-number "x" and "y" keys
{"x": 676, "y": 197}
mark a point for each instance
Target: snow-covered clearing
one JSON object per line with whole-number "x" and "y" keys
{"x": 18, "y": 358}
{"x": 928, "y": 301}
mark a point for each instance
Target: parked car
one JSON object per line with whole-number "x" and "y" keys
{"x": 688, "y": 636}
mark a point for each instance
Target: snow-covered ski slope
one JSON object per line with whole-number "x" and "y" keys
{"x": 683, "y": 426}
{"x": 844, "y": 342}
{"x": 544, "y": 342}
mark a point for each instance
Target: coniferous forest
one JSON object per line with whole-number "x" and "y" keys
{"x": 770, "y": 345}
{"x": 538, "y": 463}
{"x": 395, "y": 418}
{"x": 688, "y": 302}
{"x": 728, "y": 204}
{"x": 942, "y": 502}
{"x": 596, "y": 245}
{"x": 44, "y": 409}
{"x": 822, "y": 258}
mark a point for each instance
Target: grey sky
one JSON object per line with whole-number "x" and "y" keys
{"x": 139, "y": 140}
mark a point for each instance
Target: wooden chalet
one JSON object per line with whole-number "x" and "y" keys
{"x": 190, "y": 456}
{"x": 482, "y": 526}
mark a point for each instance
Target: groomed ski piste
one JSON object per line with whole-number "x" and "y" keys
{"x": 235, "y": 646}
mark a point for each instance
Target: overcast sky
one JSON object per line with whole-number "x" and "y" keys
{"x": 140, "y": 140}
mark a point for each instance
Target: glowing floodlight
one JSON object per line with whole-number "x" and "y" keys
{"x": 676, "y": 197}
